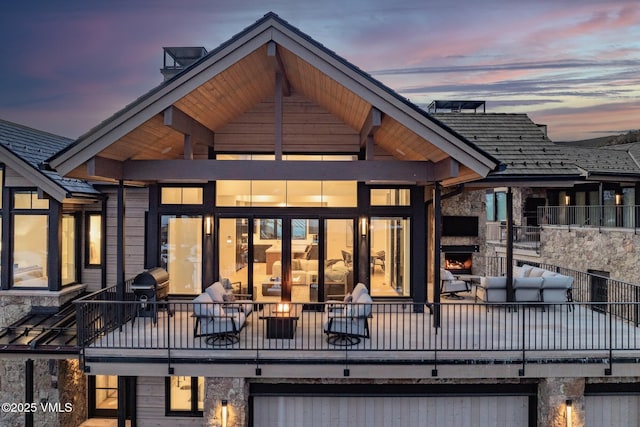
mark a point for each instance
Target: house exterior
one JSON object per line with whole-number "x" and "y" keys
{"x": 274, "y": 165}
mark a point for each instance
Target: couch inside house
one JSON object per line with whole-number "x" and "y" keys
{"x": 530, "y": 284}
{"x": 338, "y": 277}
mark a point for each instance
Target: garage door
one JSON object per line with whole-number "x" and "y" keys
{"x": 611, "y": 411}
{"x": 369, "y": 411}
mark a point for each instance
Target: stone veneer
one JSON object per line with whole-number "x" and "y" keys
{"x": 551, "y": 400}
{"x": 54, "y": 381}
{"x": 614, "y": 250}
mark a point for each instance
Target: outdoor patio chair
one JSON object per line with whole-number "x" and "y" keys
{"x": 347, "y": 321}
{"x": 221, "y": 323}
{"x": 450, "y": 286}
{"x": 492, "y": 289}
{"x": 219, "y": 294}
{"x": 557, "y": 290}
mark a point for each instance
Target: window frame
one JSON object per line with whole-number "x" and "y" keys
{"x": 194, "y": 411}
{"x": 87, "y": 241}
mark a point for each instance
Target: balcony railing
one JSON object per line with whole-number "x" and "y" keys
{"x": 587, "y": 288}
{"x": 601, "y": 327}
{"x": 399, "y": 332}
{"x": 525, "y": 237}
{"x": 615, "y": 216}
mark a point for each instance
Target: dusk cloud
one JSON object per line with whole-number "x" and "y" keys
{"x": 71, "y": 64}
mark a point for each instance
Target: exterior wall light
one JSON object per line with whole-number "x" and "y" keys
{"x": 567, "y": 200}
{"x": 569, "y": 412}
{"x": 363, "y": 227}
{"x": 618, "y": 199}
{"x": 224, "y": 413}
{"x": 208, "y": 225}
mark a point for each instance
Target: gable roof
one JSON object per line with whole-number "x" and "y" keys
{"x": 521, "y": 145}
{"x": 237, "y": 75}
{"x": 24, "y": 149}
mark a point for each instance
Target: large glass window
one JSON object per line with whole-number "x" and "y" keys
{"x": 338, "y": 262}
{"x": 496, "y": 205}
{"x": 29, "y": 200}
{"x": 233, "y": 244}
{"x": 287, "y": 193}
{"x": 93, "y": 249}
{"x": 390, "y": 240}
{"x": 185, "y": 395}
{"x": 106, "y": 392}
{"x": 181, "y": 196}
{"x": 267, "y": 258}
{"x": 30, "y": 250}
{"x": 181, "y": 252}
{"x": 390, "y": 197}
{"x": 68, "y": 255}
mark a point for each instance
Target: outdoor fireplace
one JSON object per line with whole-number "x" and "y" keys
{"x": 459, "y": 259}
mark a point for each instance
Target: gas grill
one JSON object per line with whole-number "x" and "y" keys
{"x": 150, "y": 287}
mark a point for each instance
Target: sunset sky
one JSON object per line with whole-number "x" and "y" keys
{"x": 573, "y": 65}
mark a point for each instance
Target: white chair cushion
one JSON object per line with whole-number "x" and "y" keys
{"x": 557, "y": 282}
{"x": 205, "y": 308}
{"x": 446, "y": 275}
{"x": 216, "y": 291}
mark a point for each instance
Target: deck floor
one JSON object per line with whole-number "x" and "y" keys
{"x": 396, "y": 332}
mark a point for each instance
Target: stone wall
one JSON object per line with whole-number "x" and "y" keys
{"x": 614, "y": 250}
{"x": 48, "y": 379}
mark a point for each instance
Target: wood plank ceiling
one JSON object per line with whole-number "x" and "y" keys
{"x": 242, "y": 86}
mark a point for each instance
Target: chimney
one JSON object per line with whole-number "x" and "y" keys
{"x": 458, "y": 106}
{"x": 176, "y": 59}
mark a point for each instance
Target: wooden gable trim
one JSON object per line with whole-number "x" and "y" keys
{"x": 270, "y": 30}
{"x": 154, "y": 104}
{"x": 387, "y": 103}
{"x": 33, "y": 175}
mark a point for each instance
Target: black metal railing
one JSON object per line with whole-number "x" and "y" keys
{"x": 105, "y": 317}
{"x": 587, "y": 288}
{"x": 525, "y": 237}
{"x": 614, "y": 215}
{"x": 515, "y": 331}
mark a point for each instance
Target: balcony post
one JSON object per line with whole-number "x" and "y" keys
{"x": 509, "y": 266}
{"x": 120, "y": 252}
{"x": 437, "y": 237}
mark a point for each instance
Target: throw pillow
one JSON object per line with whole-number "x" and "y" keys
{"x": 348, "y": 298}
{"x": 229, "y": 297}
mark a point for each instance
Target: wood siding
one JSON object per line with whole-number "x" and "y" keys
{"x": 350, "y": 411}
{"x": 151, "y": 406}
{"x": 136, "y": 204}
{"x": 306, "y": 127}
{"x": 14, "y": 179}
{"x": 612, "y": 410}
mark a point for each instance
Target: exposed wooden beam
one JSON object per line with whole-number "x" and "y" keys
{"x": 444, "y": 169}
{"x": 188, "y": 147}
{"x": 371, "y": 125}
{"x": 278, "y": 117}
{"x": 278, "y": 66}
{"x": 211, "y": 170}
{"x": 103, "y": 167}
{"x": 181, "y": 122}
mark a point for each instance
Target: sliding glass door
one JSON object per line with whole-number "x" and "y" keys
{"x": 181, "y": 252}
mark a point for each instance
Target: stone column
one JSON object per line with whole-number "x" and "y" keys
{"x": 236, "y": 392}
{"x": 553, "y": 394}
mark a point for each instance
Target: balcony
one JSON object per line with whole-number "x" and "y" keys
{"x": 474, "y": 340}
{"x": 524, "y": 237}
{"x": 599, "y": 216}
